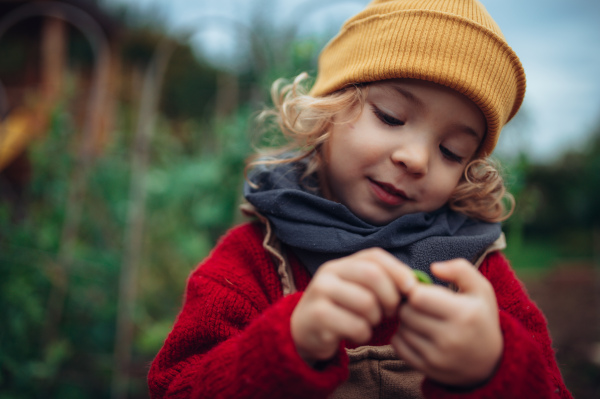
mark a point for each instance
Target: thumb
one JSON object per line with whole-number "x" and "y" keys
{"x": 459, "y": 272}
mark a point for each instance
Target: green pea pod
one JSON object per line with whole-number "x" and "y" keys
{"x": 422, "y": 277}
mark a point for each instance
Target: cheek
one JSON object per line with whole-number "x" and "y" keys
{"x": 347, "y": 149}
{"x": 445, "y": 185}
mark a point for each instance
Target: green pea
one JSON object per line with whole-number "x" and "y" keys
{"x": 422, "y": 277}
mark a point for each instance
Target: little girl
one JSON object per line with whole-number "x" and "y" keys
{"x": 386, "y": 172}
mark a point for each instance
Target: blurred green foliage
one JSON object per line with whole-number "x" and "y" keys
{"x": 192, "y": 198}
{"x": 193, "y": 186}
{"x": 193, "y": 190}
{"x": 557, "y": 213}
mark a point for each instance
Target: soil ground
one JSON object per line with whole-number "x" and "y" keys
{"x": 569, "y": 296}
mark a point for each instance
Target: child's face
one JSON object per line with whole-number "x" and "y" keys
{"x": 405, "y": 153}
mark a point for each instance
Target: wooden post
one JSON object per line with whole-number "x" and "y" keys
{"x": 54, "y": 49}
{"x": 136, "y": 215}
{"x": 227, "y": 94}
{"x": 53, "y": 53}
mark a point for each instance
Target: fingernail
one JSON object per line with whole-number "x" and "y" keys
{"x": 439, "y": 265}
{"x": 408, "y": 285}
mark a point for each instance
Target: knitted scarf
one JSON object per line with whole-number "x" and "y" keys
{"x": 318, "y": 230}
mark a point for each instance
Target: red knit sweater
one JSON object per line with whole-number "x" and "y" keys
{"x": 232, "y": 338}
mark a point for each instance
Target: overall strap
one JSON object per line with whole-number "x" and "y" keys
{"x": 497, "y": 245}
{"x": 273, "y": 246}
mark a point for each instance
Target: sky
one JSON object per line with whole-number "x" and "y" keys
{"x": 557, "y": 41}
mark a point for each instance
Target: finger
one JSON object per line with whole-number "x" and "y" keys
{"x": 354, "y": 297}
{"x": 320, "y": 329}
{"x": 461, "y": 273}
{"x": 417, "y": 357}
{"x": 403, "y": 277}
{"x": 426, "y": 353}
{"x": 419, "y": 322}
{"x": 418, "y": 343}
{"x": 407, "y": 353}
{"x": 434, "y": 301}
{"x": 367, "y": 270}
{"x": 347, "y": 325}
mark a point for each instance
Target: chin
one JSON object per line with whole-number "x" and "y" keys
{"x": 378, "y": 221}
{"x": 375, "y": 217}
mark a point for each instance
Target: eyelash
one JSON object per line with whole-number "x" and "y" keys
{"x": 385, "y": 118}
{"x": 391, "y": 121}
{"x": 450, "y": 155}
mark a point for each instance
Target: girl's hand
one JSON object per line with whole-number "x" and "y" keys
{"x": 345, "y": 299}
{"x": 454, "y": 338}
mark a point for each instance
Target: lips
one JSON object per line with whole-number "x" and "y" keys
{"x": 387, "y": 193}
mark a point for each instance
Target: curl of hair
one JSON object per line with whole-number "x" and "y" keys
{"x": 481, "y": 193}
{"x": 305, "y": 123}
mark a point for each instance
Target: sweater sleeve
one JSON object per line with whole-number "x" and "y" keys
{"x": 528, "y": 366}
{"x": 232, "y": 338}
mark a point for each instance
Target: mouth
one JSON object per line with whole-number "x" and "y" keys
{"x": 387, "y": 193}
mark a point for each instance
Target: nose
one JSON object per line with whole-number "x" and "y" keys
{"x": 413, "y": 157}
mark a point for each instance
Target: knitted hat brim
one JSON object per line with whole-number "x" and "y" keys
{"x": 429, "y": 45}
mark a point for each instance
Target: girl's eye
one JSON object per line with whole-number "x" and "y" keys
{"x": 450, "y": 155}
{"x": 385, "y": 118}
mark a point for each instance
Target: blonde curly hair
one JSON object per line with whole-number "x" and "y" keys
{"x": 305, "y": 123}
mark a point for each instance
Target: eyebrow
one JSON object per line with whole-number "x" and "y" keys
{"x": 409, "y": 96}
{"x": 467, "y": 130}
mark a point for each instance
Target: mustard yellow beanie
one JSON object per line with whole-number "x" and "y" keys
{"x": 455, "y": 43}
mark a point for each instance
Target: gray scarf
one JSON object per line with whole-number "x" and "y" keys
{"x": 318, "y": 230}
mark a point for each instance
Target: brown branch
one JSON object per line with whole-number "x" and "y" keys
{"x": 136, "y": 216}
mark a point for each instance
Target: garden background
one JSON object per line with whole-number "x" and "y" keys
{"x": 122, "y": 150}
